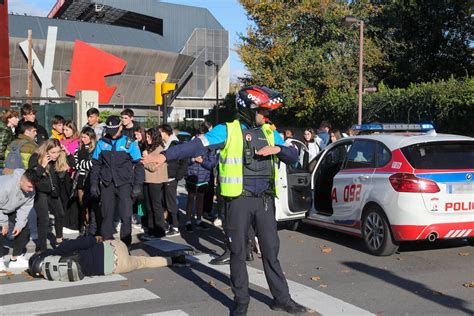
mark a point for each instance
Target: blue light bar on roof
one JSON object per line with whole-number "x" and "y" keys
{"x": 393, "y": 127}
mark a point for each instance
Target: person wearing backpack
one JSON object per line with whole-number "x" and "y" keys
{"x": 19, "y": 151}
{"x": 91, "y": 256}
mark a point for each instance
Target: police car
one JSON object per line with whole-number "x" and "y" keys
{"x": 402, "y": 182}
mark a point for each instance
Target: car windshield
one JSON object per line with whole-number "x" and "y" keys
{"x": 441, "y": 155}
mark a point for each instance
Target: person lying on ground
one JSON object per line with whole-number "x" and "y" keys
{"x": 91, "y": 256}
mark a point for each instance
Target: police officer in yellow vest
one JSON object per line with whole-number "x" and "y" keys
{"x": 247, "y": 176}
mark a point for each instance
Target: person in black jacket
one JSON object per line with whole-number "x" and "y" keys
{"x": 51, "y": 164}
{"x": 96, "y": 257}
{"x": 29, "y": 115}
{"x": 176, "y": 171}
{"x": 116, "y": 166}
{"x": 90, "y": 213}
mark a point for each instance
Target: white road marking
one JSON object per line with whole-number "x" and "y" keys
{"x": 78, "y": 302}
{"x": 176, "y": 312}
{"x": 40, "y": 285}
{"x": 320, "y": 302}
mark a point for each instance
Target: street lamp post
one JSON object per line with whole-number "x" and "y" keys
{"x": 123, "y": 99}
{"x": 211, "y": 63}
{"x": 353, "y": 20}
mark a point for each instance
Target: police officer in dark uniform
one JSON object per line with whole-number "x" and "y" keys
{"x": 249, "y": 149}
{"x": 117, "y": 175}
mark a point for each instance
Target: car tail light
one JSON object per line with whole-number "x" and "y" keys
{"x": 408, "y": 182}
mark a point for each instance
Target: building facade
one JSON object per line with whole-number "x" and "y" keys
{"x": 150, "y": 36}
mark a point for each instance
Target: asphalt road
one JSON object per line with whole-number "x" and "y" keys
{"x": 329, "y": 272}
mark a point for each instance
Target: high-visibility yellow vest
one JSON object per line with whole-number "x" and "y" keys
{"x": 231, "y": 168}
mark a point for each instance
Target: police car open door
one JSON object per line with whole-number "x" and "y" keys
{"x": 294, "y": 187}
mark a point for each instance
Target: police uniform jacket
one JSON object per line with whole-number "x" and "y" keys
{"x": 215, "y": 139}
{"x": 117, "y": 161}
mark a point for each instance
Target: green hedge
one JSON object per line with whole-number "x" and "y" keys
{"x": 449, "y": 105}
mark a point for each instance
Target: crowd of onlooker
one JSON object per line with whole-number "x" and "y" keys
{"x": 91, "y": 181}
{"x": 316, "y": 141}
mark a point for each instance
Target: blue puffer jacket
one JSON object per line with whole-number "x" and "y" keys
{"x": 201, "y": 172}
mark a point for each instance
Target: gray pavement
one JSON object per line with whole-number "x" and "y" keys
{"x": 328, "y": 272}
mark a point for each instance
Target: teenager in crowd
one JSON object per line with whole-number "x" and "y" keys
{"x": 8, "y": 123}
{"x": 28, "y": 114}
{"x": 19, "y": 184}
{"x": 176, "y": 171}
{"x": 90, "y": 214}
{"x": 93, "y": 121}
{"x": 154, "y": 178}
{"x": 127, "y": 123}
{"x": 51, "y": 165}
{"x": 57, "y": 124}
{"x": 197, "y": 183}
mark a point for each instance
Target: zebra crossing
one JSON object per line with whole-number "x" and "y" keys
{"x": 309, "y": 297}
{"x": 75, "y": 302}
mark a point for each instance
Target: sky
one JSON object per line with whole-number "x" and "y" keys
{"x": 229, "y": 13}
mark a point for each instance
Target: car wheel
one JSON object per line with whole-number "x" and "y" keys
{"x": 376, "y": 233}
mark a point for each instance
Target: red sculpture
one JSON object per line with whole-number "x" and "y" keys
{"x": 89, "y": 68}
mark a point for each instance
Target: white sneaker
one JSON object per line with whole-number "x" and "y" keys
{"x": 3, "y": 268}
{"x": 20, "y": 263}
{"x": 217, "y": 222}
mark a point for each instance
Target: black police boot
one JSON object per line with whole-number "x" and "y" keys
{"x": 249, "y": 256}
{"x": 240, "y": 309}
{"x": 290, "y": 307}
{"x": 222, "y": 259}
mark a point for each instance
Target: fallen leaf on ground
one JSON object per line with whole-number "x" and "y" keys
{"x": 326, "y": 249}
{"x": 226, "y": 288}
{"x": 469, "y": 284}
{"x": 315, "y": 278}
{"x": 400, "y": 259}
{"x": 437, "y": 293}
{"x": 323, "y": 286}
{"x": 147, "y": 280}
{"x": 464, "y": 254}
{"x": 291, "y": 237}
{"x": 212, "y": 283}
{"x": 345, "y": 270}
{"x": 301, "y": 241}
{"x": 311, "y": 311}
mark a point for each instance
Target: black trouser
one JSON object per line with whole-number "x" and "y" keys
{"x": 20, "y": 241}
{"x": 241, "y": 213}
{"x": 117, "y": 198}
{"x": 43, "y": 203}
{"x": 170, "y": 189}
{"x": 154, "y": 206}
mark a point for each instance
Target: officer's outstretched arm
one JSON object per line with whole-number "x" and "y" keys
{"x": 288, "y": 154}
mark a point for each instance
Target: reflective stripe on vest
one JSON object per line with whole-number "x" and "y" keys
{"x": 231, "y": 160}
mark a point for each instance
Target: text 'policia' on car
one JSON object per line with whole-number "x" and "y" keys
{"x": 391, "y": 183}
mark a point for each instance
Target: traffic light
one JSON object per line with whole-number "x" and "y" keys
{"x": 162, "y": 87}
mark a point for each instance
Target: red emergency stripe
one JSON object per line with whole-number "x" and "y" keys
{"x": 444, "y": 230}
